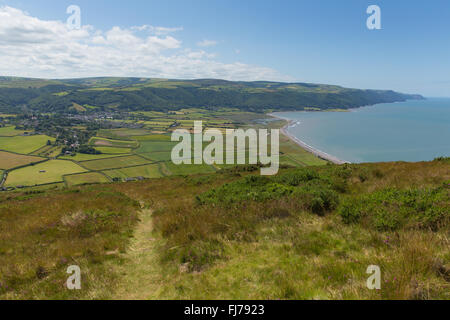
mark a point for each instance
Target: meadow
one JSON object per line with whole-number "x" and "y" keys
{"x": 24, "y": 144}
{"x": 85, "y": 178}
{"x": 149, "y": 171}
{"x": 117, "y": 162}
{"x": 12, "y": 160}
{"x": 10, "y": 131}
{"x": 51, "y": 171}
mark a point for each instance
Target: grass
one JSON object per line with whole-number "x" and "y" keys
{"x": 232, "y": 235}
{"x": 157, "y": 156}
{"x": 24, "y": 144}
{"x": 266, "y": 243}
{"x": 9, "y": 131}
{"x": 112, "y": 150}
{"x": 155, "y": 146}
{"x": 103, "y": 142}
{"x": 117, "y": 162}
{"x": 42, "y": 235}
{"x": 11, "y": 160}
{"x": 153, "y": 137}
{"x": 121, "y": 133}
{"x": 171, "y": 169}
{"x": 80, "y": 157}
{"x": 85, "y": 178}
{"x": 147, "y": 171}
{"x": 53, "y": 171}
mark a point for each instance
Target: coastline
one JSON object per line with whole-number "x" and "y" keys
{"x": 305, "y": 146}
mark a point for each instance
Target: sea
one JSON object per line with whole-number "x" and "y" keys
{"x": 412, "y": 131}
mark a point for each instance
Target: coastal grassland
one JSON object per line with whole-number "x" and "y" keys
{"x": 24, "y": 144}
{"x": 12, "y": 160}
{"x": 235, "y": 235}
{"x": 113, "y": 150}
{"x": 116, "y": 162}
{"x": 149, "y": 171}
{"x": 43, "y": 233}
{"x": 104, "y": 142}
{"x": 85, "y": 178}
{"x": 46, "y": 172}
{"x": 302, "y": 157}
{"x": 290, "y": 236}
{"x": 10, "y": 131}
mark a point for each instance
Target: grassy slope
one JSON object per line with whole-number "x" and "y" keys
{"x": 278, "y": 246}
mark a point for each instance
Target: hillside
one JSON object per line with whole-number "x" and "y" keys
{"x": 132, "y": 94}
{"x": 308, "y": 233}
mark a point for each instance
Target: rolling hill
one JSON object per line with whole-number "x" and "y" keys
{"x": 138, "y": 94}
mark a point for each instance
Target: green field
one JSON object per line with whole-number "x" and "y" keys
{"x": 157, "y": 156}
{"x": 121, "y": 133}
{"x": 155, "y": 146}
{"x": 85, "y": 178}
{"x": 10, "y": 131}
{"x": 104, "y": 142}
{"x": 24, "y": 144}
{"x": 117, "y": 162}
{"x": 12, "y": 160}
{"x": 112, "y": 150}
{"x": 80, "y": 157}
{"x": 146, "y": 171}
{"x": 169, "y": 168}
{"x": 153, "y": 137}
{"x": 42, "y": 173}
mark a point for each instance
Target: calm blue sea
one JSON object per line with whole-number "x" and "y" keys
{"x": 416, "y": 130}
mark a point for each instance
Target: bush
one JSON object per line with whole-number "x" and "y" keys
{"x": 391, "y": 209}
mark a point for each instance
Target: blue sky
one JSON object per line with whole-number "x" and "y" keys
{"x": 310, "y": 41}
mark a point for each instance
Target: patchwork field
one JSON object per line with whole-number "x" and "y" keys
{"x": 85, "y": 178}
{"x": 147, "y": 171}
{"x": 12, "y": 160}
{"x": 117, "y": 162}
{"x": 132, "y": 152}
{"x": 24, "y": 144}
{"x": 47, "y": 172}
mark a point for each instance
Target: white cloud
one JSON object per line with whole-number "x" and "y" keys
{"x": 32, "y": 47}
{"x": 207, "y": 43}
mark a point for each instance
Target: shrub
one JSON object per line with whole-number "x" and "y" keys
{"x": 391, "y": 209}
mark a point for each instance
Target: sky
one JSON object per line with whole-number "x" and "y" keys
{"x": 320, "y": 41}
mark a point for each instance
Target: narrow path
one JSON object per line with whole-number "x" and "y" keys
{"x": 139, "y": 275}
